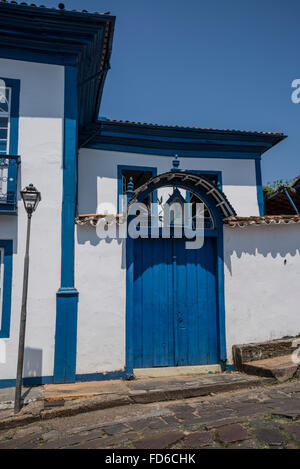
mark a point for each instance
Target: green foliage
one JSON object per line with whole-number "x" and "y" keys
{"x": 273, "y": 186}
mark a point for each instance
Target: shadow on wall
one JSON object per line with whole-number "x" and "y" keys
{"x": 9, "y": 230}
{"x": 88, "y": 234}
{"x": 273, "y": 240}
{"x": 33, "y": 359}
{"x": 93, "y": 170}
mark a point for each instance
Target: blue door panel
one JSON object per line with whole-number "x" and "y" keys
{"x": 138, "y": 307}
{"x": 153, "y": 312}
{"x": 175, "y": 310}
{"x": 180, "y": 303}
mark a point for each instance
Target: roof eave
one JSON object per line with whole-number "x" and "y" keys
{"x": 192, "y": 128}
{"x": 62, "y": 37}
{"x": 181, "y": 138}
{"x": 44, "y": 12}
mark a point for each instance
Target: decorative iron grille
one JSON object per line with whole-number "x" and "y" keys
{"x": 8, "y": 182}
{"x": 4, "y": 163}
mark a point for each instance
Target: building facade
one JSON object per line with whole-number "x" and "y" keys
{"x": 99, "y": 308}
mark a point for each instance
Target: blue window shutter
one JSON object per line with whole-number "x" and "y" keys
{"x": 11, "y": 203}
{"x": 7, "y": 287}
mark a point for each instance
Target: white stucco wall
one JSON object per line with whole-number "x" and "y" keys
{"x": 98, "y": 171}
{"x": 262, "y": 296}
{"x": 262, "y": 278}
{"x": 100, "y": 266}
{"x": 261, "y": 289}
{"x": 40, "y": 149}
{"x": 101, "y": 282}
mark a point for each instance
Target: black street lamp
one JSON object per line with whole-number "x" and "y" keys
{"x": 31, "y": 198}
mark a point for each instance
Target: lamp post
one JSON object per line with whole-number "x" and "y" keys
{"x": 31, "y": 198}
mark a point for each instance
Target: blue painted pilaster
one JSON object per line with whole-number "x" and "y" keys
{"x": 260, "y": 194}
{"x": 67, "y": 295}
{"x": 221, "y": 296}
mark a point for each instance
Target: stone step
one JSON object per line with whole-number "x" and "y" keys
{"x": 173, "y": 371}
{"x": 281, "y": 368}
{"x": 62, "y": 400}
{"x": 245, "y": 353}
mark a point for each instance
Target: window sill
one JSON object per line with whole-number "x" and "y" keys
{"x": 8, "y": 209}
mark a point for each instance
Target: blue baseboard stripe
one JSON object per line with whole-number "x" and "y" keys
{"x": 230, "y": 368}
{"x": 101, "y": 376}
{"x": 40, "y": 380}
{"x": 30, "y": 381}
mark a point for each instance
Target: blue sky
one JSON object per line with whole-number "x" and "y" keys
{"x": 217, "y": 63}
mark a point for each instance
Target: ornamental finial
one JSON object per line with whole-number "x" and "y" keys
{"x": 130, "y": 186}
{"x": 130, "y": 189}
{"x": 175, "y": 163}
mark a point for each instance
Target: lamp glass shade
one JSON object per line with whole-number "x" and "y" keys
{"x": 31, "y": 198}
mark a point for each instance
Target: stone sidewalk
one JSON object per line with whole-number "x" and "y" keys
{"x": 50, "y": 401}
{"x": 264, "y": 417}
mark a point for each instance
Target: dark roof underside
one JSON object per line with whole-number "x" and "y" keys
{"x": 62, "y": 37}
{"x": 171, "y": 139}
{"x": 280, "y": 203}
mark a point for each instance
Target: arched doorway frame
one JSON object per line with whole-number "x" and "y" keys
{"x": 220, "y": 209}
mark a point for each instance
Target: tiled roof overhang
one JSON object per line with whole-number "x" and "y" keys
{"x": 61, "y": 37}
{"x": 241, "y": 222}
{"x": 93, "y": 218}
{"x": 186, "y": 141}
{"x": 285, "y": 200}
{"x": 151, "y": 125}
{"x": 296, "y": 184}
{"x": 265, "y": 220}
{"x": 61, "y": 7}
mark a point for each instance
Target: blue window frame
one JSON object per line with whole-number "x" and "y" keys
{"x": 6, "y": 258}
{"x": 212, "y": 175}
{"x": 122, "y": 169}
{"x": 9, "y": 129}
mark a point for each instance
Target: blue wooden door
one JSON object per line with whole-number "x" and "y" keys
{"x": 195, "y": 308}
{"x": 175, "y": 311}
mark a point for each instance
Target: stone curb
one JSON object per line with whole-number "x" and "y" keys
{"x": 133, "y": 397}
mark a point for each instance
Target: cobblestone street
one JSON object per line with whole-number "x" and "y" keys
{"x": 265, "y": 417}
